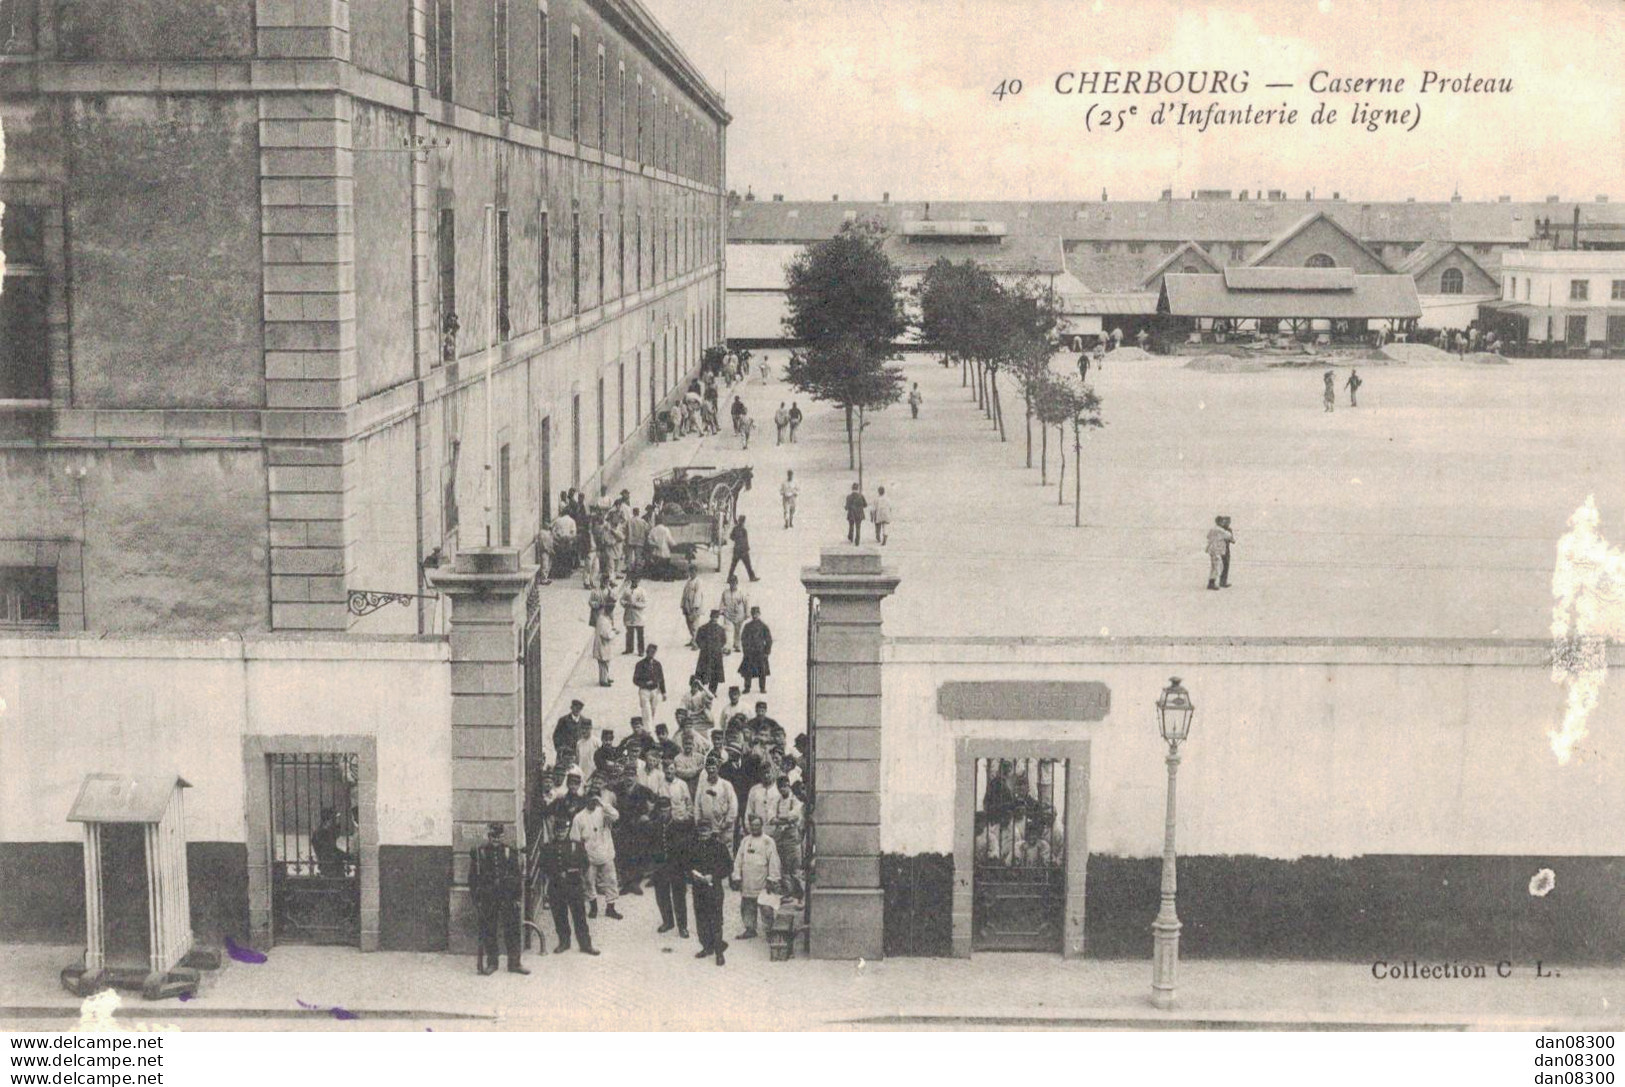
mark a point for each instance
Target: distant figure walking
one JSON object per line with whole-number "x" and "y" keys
{"x": 781, "y": 423}
{"x": 1330, "y": 395}
{"x": 915, "y": 400}
{"x": 880, "y": 513}
{"x": 856, "y": 504}
{"x": 788, "y": 491}
{"x": 795, "y": 419}
{"x": 1353, "y": 386}
{"x": 1219, "y": 540}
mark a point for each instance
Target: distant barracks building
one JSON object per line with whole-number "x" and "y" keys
{"x": 262, "y": 259}
{"x": 1108, "y": 260}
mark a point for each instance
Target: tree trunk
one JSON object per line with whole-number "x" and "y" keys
{"x": 1077, "y": 476}
{"x": 998, "y": 406}
{"x": 851, "y": 454}
{"x": 964, "y": 373}
{"x": 1028, "y": 405}
{"x": 1043, "y": 471}
{"x": 976, "y": 375}
{"x": 1060, "y": 478}
{"x": 861, "y": 425}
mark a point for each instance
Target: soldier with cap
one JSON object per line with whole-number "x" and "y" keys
{"x": 670, "y": 856}
{"x": 495, "y": 877}
{"x": 715, "y": 801}
{"x": 564, "y": 863}
{"x": 709, "y": 867}
{"x": 713, "y": 642}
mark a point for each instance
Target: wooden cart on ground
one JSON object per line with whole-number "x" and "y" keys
{"x": 699, "y": 506}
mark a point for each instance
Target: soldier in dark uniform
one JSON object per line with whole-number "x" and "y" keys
{"x": 496, "y": 875}
{"x": 564, "y": 863}
{"x": 670, "y": 860}
{"x": 709, "y": 867}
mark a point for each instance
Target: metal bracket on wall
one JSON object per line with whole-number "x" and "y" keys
{"x": 367, "y": 601}
{"x": 410, "y": 145}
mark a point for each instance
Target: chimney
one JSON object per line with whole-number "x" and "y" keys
{"x": 1167, "y": 194}
{"x": 1552, "y": 199}
{"x": 1455, "y": 198}
{"x": 1602, "y": 198}
{"x": 885, "y": 198}
{"x": 836, "y": 199}
{"x": 1410, "y": 200}
{"x": 1503, "y": 199}
{"x": 1337, "y": 196}
{"x": 1103, "y": 194}
{"x": 1309, "y": 194}
{"x": 778, "y": 198}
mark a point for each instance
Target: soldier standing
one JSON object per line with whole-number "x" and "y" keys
{"x": 1329, "y": 397}
{"x": 670, "y": 860}
{"x": 494, "y": 875}
{"x": 1353, "y": 386}
{"x": 565, "y": 863}
{"x": 709, "y": 867}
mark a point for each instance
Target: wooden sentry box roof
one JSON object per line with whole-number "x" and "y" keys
{"x": 122, "y": 798}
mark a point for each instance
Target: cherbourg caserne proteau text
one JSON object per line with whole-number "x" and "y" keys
{"x": 1201, "y": 99}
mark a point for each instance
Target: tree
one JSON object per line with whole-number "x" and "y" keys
{"x": 1031, "y": 314}
{"x": 846, "y": 310}
{"x": 1062, "y": 403}
{"x": 947, "y": 295}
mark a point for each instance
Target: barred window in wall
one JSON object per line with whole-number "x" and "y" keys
{"x": 28, "y": 598}
{"x": 500, "y": 40}
{"x": 543, "y": 42}
{"x": 25, "y": 364}
{"x": 446, "y": 237}
{"x": 575, "y": 83}
{"x": 504, "y": 325}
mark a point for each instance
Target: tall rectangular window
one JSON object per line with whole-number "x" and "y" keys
{"x": 575, "y": 83}
{"x": 445, "y": 49}
{"x": 446, "y": 237}
{"x": 544, "y": 447}
{"x": 602, "y": 89}
{"x": 601, "y": 261}
{"x": 575, "y": 262}
{"x": 603, "y": 452}
{"x": 544, "y": 41}
{"x": 640, "y": 120}
{"x": 620, "y": 134}
{"x": 504, "y": 497}
{"x": 504, "y": 326}
{"x": 638, "y": 249}
{"x": 620, "y": 400}
{"x": 28, "y": 598}
{"x": 544, "y": 277}
{"x": 637, "y": 384}
{"x": 25, "y": 363}
{"x": 1617, "y": 292}
{"x": 1579, "y": 290}
{"x": 575, "y": 440}
{"x": 620, "y": 249}
{"x": 504, "y": 91}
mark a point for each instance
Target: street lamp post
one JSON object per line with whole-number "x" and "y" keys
{"x": 1174, "y": 712}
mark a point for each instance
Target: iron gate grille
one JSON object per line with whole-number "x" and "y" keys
{"x": 315, "y": 871}
{"x": 1019, "y": 891}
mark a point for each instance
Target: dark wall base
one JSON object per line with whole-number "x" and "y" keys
{"x": 1363, "y": 908}
{"x": 1359, "y": 909}
{"x": 413, "y": 882}
{"x": 919, "y": 896}
{"x": 42, "y": 891}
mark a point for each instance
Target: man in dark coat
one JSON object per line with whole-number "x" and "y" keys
{"x": 713, "y": 642}
{"x": 670, "y": 860}
{"x": 756, "y": 641}
{"x": 856, "y": 504}
{"x": 495, "y": 875}
{"x": 741, "y": 542}
{"x": 709, "y": 867}
{"x": 764, "y": 728}
{"x": 569, "y": 730}
{"x": 564, "y": 863}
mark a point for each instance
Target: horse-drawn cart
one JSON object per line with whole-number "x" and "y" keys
{"x": 699, "y": 505}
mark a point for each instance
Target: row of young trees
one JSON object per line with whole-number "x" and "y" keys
{"x": 846, "y": 310}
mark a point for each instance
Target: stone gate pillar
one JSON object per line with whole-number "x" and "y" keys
{"x": 847, "y": 914}
{"x": 486, "y": 587}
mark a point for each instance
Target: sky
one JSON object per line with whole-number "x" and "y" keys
{"x": 861, "y": 97}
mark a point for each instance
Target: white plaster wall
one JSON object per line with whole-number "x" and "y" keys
{"x": 756, "y": 315}
{"x": 76, "y": 706}
{"x": 1290, "y": 759}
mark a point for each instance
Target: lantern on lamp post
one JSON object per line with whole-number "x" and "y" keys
{"x": 1174, "y": 712}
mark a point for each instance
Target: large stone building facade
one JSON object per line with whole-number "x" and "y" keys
{"x": 301, "y": 296}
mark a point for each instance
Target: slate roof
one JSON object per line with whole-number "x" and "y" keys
{"x": 1288, "y": 278}
{"x": 1110, "y": 271}
{"x": 1304, "y": 224}
{"x": 1202, "y": 221}
{"x": 1188, "y": 251}
{"x": 1015, "y": 254}
{"x": 1370, "y": 296}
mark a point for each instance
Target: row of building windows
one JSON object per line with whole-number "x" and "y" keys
{"x": 651, "y": 128}
{"x": 1579, "y": 289}
{"x": 679, "y": 247}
